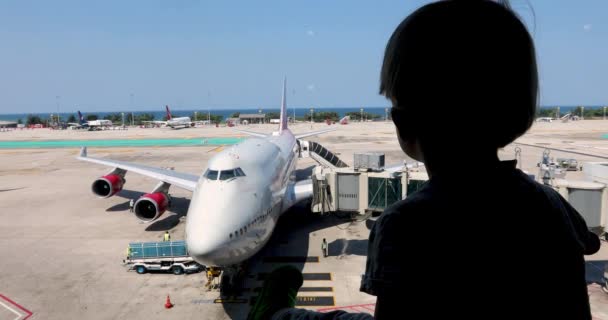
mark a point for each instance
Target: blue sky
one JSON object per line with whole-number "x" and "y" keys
{"x": 223, "y": 54}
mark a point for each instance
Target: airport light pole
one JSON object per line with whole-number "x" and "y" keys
{"x": 311, "y": 116}
{"x": 57, "y": 101}
{"x": 131, "y": 95}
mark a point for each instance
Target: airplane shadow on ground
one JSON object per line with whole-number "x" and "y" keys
{"x": 179, "y": 208}
{"x": 594, "y": 271}
{"x": 340, "y": 247}
{"x": 304, "y": 173}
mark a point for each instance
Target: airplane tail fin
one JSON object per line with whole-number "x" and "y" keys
{"x": 80, "y": 117}
{"x": 283, "y": 125}
{"x": 168, "y": 112}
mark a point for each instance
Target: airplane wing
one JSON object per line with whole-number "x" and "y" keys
{"x": 178, "y": 179}
{"x": 251, "y": 133}
{"x": 399, "y": 167}
{"x": 312, "y": 133}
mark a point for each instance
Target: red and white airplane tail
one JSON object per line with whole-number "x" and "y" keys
{"x": 283, "y": 121}
{"x": 345, "y": 120}
{"x": 168, "y": 112}
{"x": 283, "y": 124}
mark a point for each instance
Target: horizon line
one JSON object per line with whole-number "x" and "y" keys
{"x": 253, "y": 108}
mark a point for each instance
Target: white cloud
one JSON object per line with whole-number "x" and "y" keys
{"x": 310, "y": 87}
{"x": 587, "y": 27}
{"x": 310, "y": 33}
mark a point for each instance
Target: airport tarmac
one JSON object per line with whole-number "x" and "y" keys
{"x": 62, "y": 247}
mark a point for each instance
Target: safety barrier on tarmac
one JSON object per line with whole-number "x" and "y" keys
{"x": 117, "y": 143}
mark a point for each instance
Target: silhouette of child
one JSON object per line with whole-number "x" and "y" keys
{"x": 463, "y": 81}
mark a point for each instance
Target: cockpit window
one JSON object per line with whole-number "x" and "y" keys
{"x": 239, "y": 173}
{"x": 226, "y": 174}
{"x": 211, "y": 174}
{"x": 231, "y": 173}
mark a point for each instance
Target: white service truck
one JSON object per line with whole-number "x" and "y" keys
{"x": 166, "y": 256}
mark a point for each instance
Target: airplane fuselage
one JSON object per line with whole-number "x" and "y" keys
{"x": 179, "y": 122}
{"x": 239, "y": 199}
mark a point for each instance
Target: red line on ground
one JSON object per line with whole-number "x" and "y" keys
{"x": 29, "y": 313}
{"x": 365, "y": 306}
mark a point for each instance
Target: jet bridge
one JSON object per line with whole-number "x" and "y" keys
{"x": 320, "y": 154}
{"x": 361, "y": 192}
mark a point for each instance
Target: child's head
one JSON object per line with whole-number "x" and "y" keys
{"x": 462, "y": 76}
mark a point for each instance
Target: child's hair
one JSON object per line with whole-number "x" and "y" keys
{"x": 463, "y": 69}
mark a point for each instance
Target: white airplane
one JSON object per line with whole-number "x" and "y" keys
{"x": 237, "y": 201}
{"x": 184, "y": 122}
{"x": 91, "y": 124}
{"x": 180, "y": 122}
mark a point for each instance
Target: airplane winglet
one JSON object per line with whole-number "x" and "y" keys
{"x": 83, "y": 152}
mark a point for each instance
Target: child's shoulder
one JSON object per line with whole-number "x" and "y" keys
{"x": 413, "y": 203}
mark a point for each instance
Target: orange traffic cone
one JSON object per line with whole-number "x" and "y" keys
{"x": 168, "y": 304}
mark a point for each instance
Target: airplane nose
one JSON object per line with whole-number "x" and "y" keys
{"x": 206, "y": 249}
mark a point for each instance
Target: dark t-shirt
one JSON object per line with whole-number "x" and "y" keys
{"x": 503, "y": 246}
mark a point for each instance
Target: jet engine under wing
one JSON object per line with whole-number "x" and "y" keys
{"x": 178, "y": 179}
{"x": 302, "y": 190}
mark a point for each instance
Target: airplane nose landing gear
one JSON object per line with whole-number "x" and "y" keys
{"x": 213, "y": 274}
{"x": 231, "y": 280}
{"x": 228, "y": 280}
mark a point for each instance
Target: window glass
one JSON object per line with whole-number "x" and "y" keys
{"x": 211, "y": 174}
{"x": 226, "y": 174}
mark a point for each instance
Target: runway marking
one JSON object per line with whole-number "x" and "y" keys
{"x": 307, "y": 276}
{"x": 308, "y": 301}
{"x": 216, "y": 149}
{"x": 304, "y": 289}
{"x": 230, "y": 301}
{"x": 11, "y": 302}
{"x": 11, "y": 310}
